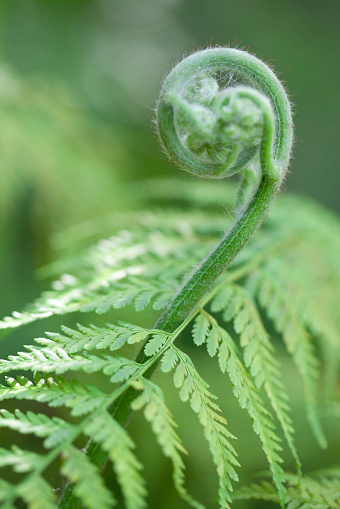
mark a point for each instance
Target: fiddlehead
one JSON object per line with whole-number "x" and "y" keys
{"x": 222, "y": 111}
{"x": 221, "y": 107}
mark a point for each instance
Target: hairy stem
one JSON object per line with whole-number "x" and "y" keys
{"x": 213, "y": 131}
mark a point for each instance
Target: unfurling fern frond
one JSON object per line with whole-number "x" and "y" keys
{"x": 221, "y": 112}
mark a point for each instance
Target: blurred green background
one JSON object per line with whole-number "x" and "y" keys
{"x": 78, "y": 81}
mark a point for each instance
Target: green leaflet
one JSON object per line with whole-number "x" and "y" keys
{"x": 248, "y": 398}
{"x": 90, "y": 487}
{"x": 54, "y": 430}
{"x": 56, "y": 392}
{"x": 117, "y": 443}
{"x": 19, "y": 460}
{"x": 37, "y": 493}
{"x": 319, "y": 490}
{"x": 152, "y": 402}
{"x": 259, "y": 355}
{"x": 194, "y": 389}
{"x": 124, "y": 269}
{"x": 298, "y": 342}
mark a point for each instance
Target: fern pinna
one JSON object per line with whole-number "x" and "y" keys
{"x": 221, "y": 112}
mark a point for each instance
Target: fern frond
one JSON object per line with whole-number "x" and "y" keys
{"x": 193, "y": 388}
{"x": 139, "y": 268}
{"x": 290, "y": 267}
{"x": 37, "y": 493}
{"x": 58, "y": 361}
{"x": 56, "y": 392}
{"x": 101, "y": 297}
{"x": 113, "y": 337}
{"x": 218, "y": 340}
{"x": 319, "y": 490}
{"x": 259, "y": 355}
{"x": 117, "y": 443}
{"x": 19, "y": 460}
{"x": 278, "y": 304}
{"x": 87, "y": 401}
{"x": 55, "y": 430}
{"x": 90, "y": 488}
{"x": 156, "y": 412}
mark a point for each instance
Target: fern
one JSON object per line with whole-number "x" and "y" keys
{"x": 299, "y": 345}
{"x": 218, "y": 340}
{"x": 163, "y": 426}
{"x": 194, "y": 389}
{"x": 85, "y": 377}
{"x": 119, "y": 446}
{"x": 319, "y": 490}
{"x": 90, "y": 488}
{"x": 259, "y": 356}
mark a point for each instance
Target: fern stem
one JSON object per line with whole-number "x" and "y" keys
{"x": 215, "y": 131}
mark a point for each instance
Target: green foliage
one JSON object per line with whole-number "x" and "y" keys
{"x": 196, "y": 390}
{"x": 319, "y": 490}
{"x": 218, "y": 340}
{"x": 246, "y": 353}
{"x": 156, "y": 412}
{"x": 59, "y": 152}
{"x": 117, "y": 443}
{"x": 90, "y": 488}
{"x": 259, "y": 354}
{"x": 163, "y": 259}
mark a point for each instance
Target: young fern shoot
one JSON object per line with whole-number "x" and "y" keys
{"x": 221, "y": 112}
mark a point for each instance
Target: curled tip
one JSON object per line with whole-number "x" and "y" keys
{"x": 221, "y": 108}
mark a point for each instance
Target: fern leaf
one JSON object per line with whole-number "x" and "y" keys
{"x": 54, "y": 430}
{"x": 200, "y": 329}
{"x": 249, "y": 398}
{"x": 169, "y": 360}
{"x": 117, "y": 443}
{"x": 37, "y": 493}
{"x": 56, "y": 392}
{"x": 20, "y": 460}
{"x": 113, "y": 337}
{"x": 58, "y": 361}
{"x": 89, "y": 485}
{"x": 279, "y": 309}
{"x": 310, "y": 272}
{"x": 156, "y": 412}
{"x": 155, "y": 343}
{"x": 194, "y": 389}
{"x": 319, "y": 490}
{"x": 260, "y": 359}
{"x": 262, "y": 491}
{"x": 143, "y": 265}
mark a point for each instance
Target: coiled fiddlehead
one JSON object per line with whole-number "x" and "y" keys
{"x": 221, "y": 111}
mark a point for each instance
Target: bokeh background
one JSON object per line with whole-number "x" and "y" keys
{"x": 78, "y": 81}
